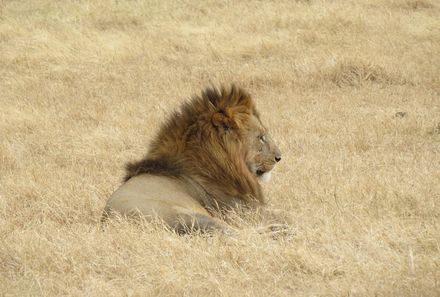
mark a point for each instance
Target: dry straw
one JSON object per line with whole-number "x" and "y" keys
{"x": 349, "y": 89}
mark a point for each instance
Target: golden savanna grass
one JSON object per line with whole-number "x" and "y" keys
{"x": 349, "y": 89}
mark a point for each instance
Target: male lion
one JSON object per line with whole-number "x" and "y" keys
{"x": 207, "y": 158}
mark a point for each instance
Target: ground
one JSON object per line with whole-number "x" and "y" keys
{"x": 349, "y": 89}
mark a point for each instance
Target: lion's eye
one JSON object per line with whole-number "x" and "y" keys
{"x": 262, "y": 138}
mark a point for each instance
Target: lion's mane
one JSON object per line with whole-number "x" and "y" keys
{"x": 203, "y": 145}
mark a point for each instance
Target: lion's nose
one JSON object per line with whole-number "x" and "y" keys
{"x": 277, "y": 158}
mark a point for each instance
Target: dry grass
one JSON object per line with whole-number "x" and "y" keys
{"x": 350, "y": 90}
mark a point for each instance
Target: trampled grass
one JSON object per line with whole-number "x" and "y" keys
{"x": 350, "y": 91}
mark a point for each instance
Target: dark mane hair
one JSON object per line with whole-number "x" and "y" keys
{"x": 202, "y": 143}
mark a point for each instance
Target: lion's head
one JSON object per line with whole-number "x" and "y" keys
{"x": 218, "y": 144}
{"x": 263, "y": 152}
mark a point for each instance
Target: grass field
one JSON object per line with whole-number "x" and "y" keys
{"x": 349, "y": 89}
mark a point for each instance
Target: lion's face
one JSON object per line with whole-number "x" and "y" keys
{"x": 263, "y": 153}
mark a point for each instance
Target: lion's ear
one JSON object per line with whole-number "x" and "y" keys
{"x": 224, "y": 119}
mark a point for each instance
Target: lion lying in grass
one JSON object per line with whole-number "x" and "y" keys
{"x": 207, "y": 158}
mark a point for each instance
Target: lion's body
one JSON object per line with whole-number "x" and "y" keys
{"x": 162, "y": 197}
{"x": 207, "y": 157}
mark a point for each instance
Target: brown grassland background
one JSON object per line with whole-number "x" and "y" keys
{"x": 349, "y": 89}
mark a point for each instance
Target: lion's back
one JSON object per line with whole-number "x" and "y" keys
{"x": 152, "y": 195}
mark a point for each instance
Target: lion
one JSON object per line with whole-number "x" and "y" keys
{"x": 207, "y": 159}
